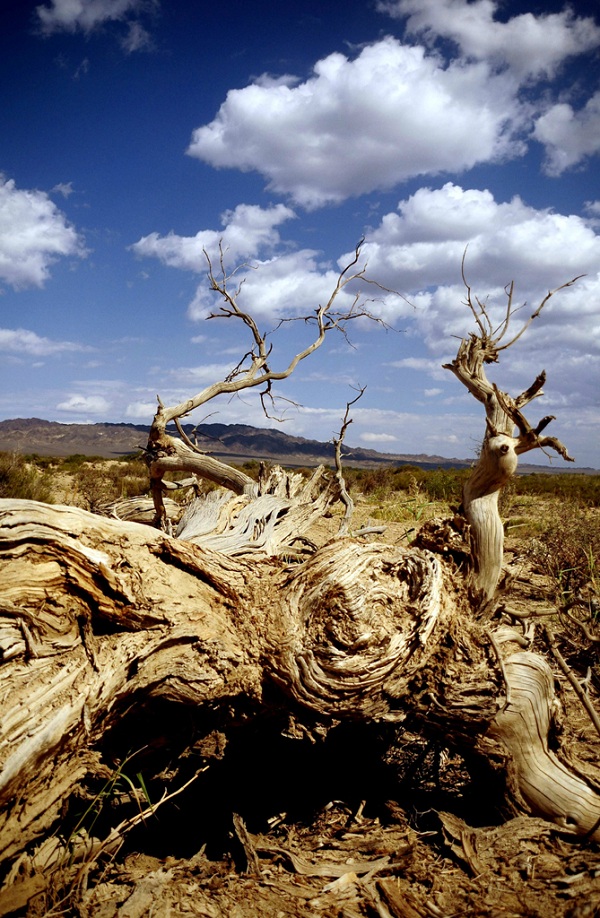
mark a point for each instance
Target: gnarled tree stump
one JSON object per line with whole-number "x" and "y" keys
{"x": 98, "y": 614}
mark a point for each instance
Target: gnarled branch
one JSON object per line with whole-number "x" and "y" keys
{"x": 165, "y": 453}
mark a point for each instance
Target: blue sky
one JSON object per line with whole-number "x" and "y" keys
{"x": 135, "y": 133}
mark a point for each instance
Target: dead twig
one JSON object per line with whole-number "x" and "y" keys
{"x": 339, "y": 474}
{"x": 585, "y": 701}
{"x": 252, "y": 862}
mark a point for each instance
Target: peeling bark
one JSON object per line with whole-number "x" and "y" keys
{"x": 97, "y": 614}
{"x": 273, "y": 522}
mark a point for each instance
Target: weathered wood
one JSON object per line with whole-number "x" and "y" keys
{"x": 98, "y": 614}
{"x": 546, "y": 785}
{"x": 498, "y": 458}
{"x": 63, "y": 684}
{"x": 273, "y": 522}
{"x": 497, "y": 464}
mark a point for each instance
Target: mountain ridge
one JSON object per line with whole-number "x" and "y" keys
{"x": 233, "y": 442}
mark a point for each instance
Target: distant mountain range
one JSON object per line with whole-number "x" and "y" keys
{"x": 235, "y": 443}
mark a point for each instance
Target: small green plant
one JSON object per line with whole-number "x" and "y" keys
{"x": 67, "y": 858}
{"x": 117, "y": 789}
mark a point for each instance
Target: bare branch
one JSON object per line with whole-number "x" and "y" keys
{"x": 535, "y": 390}
{"x": 544, "y": 443}
{"x": 529, "y": 436}
{"x": 541, "y": 425}
{"x": 253, "y": 371}
{"x": 185, "y": 437}
{"x": 585, "y": 701}
{"x": 469, "y": 301}
{"x": 535, "y": 314}
{"x": 258, "y": 373}
{"x": 337, "y": 441}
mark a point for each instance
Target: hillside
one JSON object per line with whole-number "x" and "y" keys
{"x": 235, "y": 443}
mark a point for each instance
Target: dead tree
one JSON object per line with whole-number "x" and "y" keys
{"x": 276, "y": 495}
{"x": 500, "y": 449}
{"x": 98, "y": 615}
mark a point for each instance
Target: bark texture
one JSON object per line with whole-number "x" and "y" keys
{"x": 501, "y": 448}
{"x": 97, "y": 614}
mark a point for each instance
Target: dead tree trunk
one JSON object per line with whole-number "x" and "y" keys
{"x": 498, "y": 458}
{"x": 97, "y": 615}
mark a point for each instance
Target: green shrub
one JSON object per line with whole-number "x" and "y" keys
{"x": 21, "y": 479}
{"x": 445, "y": 484}
{"x": 101, "y": 482}
{"x": 77, "y": 460}
{"x": 568, "y": 486}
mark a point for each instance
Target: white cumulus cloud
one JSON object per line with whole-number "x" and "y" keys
{"x": 85, "y": 404}
{"x": 141, "y": 410}
{"x": 569, "y": 136}
{"x": 23, "y": 341}
{"x": 530, "y": 45}
{"x": 33, "y": 234}
{"x": 292, "y": 284}
{"x": 419, "y": 248}
{"x": 88, "y": 15}
{"x": 353, "y": 126}
{"x": 369, "y": 437}
{"x": 422, "y": 243}
{"x": 277, "y": 282}
{"x": 246, "y": 230}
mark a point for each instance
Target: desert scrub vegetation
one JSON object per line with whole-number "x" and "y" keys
{"x": 401, "y": 493}
{"x": 567, "y": 551}
{"x": 89, "y": 481}
{"x": 24, "y": 478}
{"x": 98, "y": 483}
{"x": 407, "y": 494}
{"x": 435, "y": 484}
{"x": 573, "y": 487}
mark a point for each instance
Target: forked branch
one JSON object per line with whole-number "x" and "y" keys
{"x": 503, "y": 412}
{"x": 254, "y": 371}
{"x": 339, "y": 474}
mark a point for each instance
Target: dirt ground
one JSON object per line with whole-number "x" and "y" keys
{"x": 361, "y": 825}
